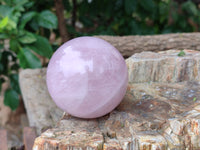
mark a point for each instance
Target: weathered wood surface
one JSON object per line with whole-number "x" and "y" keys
{"x": 129, "y": 45}
{"x": 156, "y": 116}
{"x": 160, "y": 111}
{"x": 164, "y": 67}
{"x": 3, "y": 140}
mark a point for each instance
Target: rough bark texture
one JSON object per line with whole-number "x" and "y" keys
{"x": 61, "y": 20}
{"x": 129, "y": 45}
{"x": 154, "y": 114}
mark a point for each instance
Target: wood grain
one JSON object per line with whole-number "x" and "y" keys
{"x": 129, "y": 45}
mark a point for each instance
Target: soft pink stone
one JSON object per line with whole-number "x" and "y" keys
{"x": 87, "y": 77}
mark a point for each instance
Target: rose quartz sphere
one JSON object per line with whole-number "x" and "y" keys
{"x": 87, "y": 77}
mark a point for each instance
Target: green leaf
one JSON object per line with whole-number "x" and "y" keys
{"x": 47, "y": 20}
{"x": 3, "y": 36}
{"x": 8, "y": 2}
{"x": 163, "y": 11}
{"x": 1, "y": 47}
{"x": 3, "y": 23}
{"x": 14, "y": 17}
{"x": 26, "y": 18}
{"x": 19, "y": 5}
{"x": 194, "y": 99}
{"x": 29, "y": 4}
{"x": 14, "y": 82}
{"x": 181, "y": 53}
{"x": 20, "y": 2}
{"x": 134, "y": 27}
{"x": 190, "y": 7}
{"x": 27, "y": 59}
{"x": 130, "y": 6}
{"x": 148, "y": 5}
{"x": 5, "y": 11}
{"x": 14, "y": 45}
{"x": 11, "y": 99}
{"x": 41, "y": 47}
{"x": 11, "y": 24}
{"x": 34, "y": 24}
{"x": 28, "y": 38}
{"x": 18, "y": 9}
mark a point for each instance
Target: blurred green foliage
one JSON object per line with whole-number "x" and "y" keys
{"x": 21, "y": 42}
{"x": 25, "y": 27}
{"x": 136, "y": 17}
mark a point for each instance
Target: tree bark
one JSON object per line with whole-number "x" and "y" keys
{"x": 128, "y": 45}
{"x": 61, "y": 20}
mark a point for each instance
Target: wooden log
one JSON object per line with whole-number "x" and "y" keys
{"x": 29, "y": 136}
{"x": 3, "y": 139}
{"x": 129, "y": 45}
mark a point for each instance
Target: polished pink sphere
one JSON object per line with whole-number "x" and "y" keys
{"x": 87, "y": 77}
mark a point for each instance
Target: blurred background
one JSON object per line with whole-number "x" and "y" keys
{"x": 31, "y": 30}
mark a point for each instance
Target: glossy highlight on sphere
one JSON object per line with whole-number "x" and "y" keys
{"x": 87, "y": 77}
